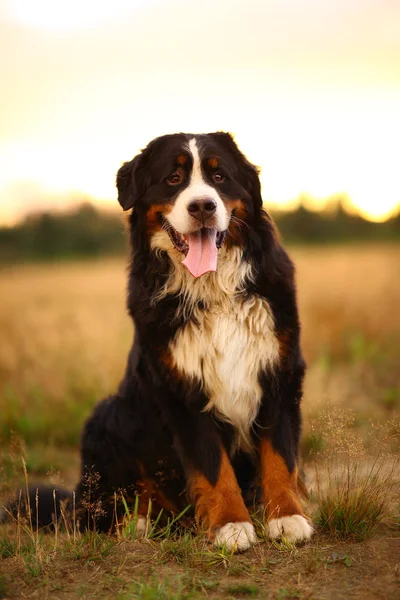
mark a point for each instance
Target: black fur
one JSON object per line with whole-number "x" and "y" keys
{"x": 40, "y": 506}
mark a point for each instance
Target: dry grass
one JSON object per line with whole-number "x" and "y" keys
{"x": 182, "y": 566}
{"x": 355, "y": 487}
{"x": 65, "y": 337}
{"x": 64, "y": 341}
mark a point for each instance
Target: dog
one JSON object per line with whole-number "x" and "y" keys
{"x": 208, "y": 411}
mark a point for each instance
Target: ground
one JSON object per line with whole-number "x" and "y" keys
{"x": 64, "y": 340}
{"x": 323, "y": 570}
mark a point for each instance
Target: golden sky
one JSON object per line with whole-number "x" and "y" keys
{"x": 310, "y": 88}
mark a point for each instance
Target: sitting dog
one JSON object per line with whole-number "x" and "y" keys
{"x": 208, "y": 411}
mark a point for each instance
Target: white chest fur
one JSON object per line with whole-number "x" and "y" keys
{"x": 226, "y": 352}
{"x": 231, "y": 339}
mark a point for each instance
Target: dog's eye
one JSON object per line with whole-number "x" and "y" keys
{"x": 174, "y": 179}
{"x": 218, "y": 177}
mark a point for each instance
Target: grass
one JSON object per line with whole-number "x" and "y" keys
{"x": 184, "y": 566}
{"x": 154, "y": 529}
{"x": 8, "y": 548}
{"x": 355, "y": 488}
{"x": 88, "y": 546}
{"x": 288, "y": 593}
{"x": 65, "y": 336}
{"x": 3, "y": 586}
{"x": 177, "y": 590}
{"x": 81, "y": 309}
{"x": 171, "y": 561}
{"x": 243, "y": 589}
{"x": 357, "y": 498}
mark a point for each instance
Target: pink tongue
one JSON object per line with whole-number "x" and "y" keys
{"x": 203, "y": 253}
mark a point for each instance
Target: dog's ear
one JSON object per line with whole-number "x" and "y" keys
{"x": 253, "y": 185}
{"x": 130, "y": 182}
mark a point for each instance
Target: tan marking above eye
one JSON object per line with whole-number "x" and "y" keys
{"x": 213, "y": 162}
{"x": 181, "y": 159}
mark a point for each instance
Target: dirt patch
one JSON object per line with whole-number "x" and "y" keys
{"x": 323, "y": 570}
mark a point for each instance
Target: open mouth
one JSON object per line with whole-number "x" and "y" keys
{"x": 181, "y": 241}
{"x": 200, "y": 248}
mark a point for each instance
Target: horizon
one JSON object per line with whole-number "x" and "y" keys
{"x": 333, "y": 207}
{"x": 311, "y": 91}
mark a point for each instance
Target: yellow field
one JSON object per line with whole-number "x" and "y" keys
{"x": 65, "y": 335}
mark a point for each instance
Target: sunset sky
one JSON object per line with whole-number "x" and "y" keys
{"x": 310, "y": 89}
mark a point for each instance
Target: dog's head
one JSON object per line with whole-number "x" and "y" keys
{"x": 194, "y": 193}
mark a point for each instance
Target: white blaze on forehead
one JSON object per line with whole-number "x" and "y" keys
{"x": 196, "y": 178}
{"x": 198, "y": 188}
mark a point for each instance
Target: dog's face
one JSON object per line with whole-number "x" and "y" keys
{"x": 199, "y": 189}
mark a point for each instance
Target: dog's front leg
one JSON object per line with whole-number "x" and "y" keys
{"x": 219, "y": 505}
{"x": 211, "y": 482}
{"x": 279, "y": 424}
{"x": 284, "y": 514}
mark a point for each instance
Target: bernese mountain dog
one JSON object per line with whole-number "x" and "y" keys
{"x": 208, "y": 412}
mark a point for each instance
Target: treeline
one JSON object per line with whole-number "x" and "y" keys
{"x": 83, "y": 231}
{"x": 335, "y": 225}
{"x": 86, "y": 231}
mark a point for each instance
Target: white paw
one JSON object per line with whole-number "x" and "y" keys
{"x": 236, "y": 536}
{"x": 295, "y": 528}
{"x": 140, "y": 526}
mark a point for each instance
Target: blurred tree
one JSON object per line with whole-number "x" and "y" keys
{"x": 86, "y": 231}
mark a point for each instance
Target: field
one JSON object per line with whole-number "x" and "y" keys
{"x": 64, "y": 340}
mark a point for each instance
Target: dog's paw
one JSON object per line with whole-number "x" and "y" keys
{"x": 140, "y": 526}
{"x": 295, "y": 528}
{"x": 236, "y": 536}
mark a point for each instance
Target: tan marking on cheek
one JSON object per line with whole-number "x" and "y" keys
{"x": 213, "y": 162}
{"x": 238, "y": 206}
{"x": 279, "y": 486}
{"x": 219, "y": 504}
{"x": 153, "y": 216}
{"x": 237, "y": 224}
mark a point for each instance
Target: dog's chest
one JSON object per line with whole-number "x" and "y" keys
{"x": 225, "y": 351}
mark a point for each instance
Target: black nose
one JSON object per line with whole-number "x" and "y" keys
{"x": 202, "y": 208}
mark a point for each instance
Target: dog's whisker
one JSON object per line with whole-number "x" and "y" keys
{"x": 239, "y": 222}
